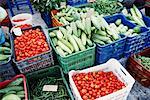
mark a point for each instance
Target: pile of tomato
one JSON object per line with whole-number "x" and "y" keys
{"x": 93, "y": 85}
{"x": 30, "y": 43}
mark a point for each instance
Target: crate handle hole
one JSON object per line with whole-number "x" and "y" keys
{"x": 123, "y": 72}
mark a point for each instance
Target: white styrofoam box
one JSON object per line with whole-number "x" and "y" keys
{"x": 111, "y": 65}
{"x": 26, "y": 16}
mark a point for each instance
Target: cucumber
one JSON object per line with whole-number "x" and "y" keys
{"x": 18, "y": 81}
{"x": 13, "y": 88}
{"x": 11, "y": 97}
{"x": 69, "y": 19}
{"x": 83, "y": 38}
{"x": 78, "y": 41}
{"x": 136, "y": 29}
{"x": 73, "y": 42}
{"x": 60, "y": 51}
{"x": 64, "y": 47}
{"x": 67, "y": 44}
{"x": 10, "y": 92}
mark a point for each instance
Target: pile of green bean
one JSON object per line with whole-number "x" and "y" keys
{"x": 38, "y": 94}
{"x": 145, "y": 61}
{"x": 107, "y": 7}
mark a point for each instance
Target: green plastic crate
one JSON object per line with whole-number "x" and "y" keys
{"x": 77, "y": 60}
{"x": 54, "y": 71}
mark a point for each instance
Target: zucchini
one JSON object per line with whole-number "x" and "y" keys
{"x": 64, "y": 32}
{"x": 13, "y": 88}
{"x": 52, "y": 34}
{"x": 98, "y": 41}
{"x": 73, "y": 42}
{"x": 69, "y": 30}
{"x": 118, "y": 22}
{"x": 78, "y": 41}
{"x": 89, "y": 42}
{"x": 83, "y": 38}
{"x": 138, "y": 13}
{"x": 95, "y": 22}
{"x": 60, "y": 51}
{"x": 11, "y": 97}
{"x": 59, "y": 34}
{"x": 103, "y": 33}
{"x": 20, "y": 93}
{"x": 64, "y": 47}
{"x": 67, "y": 44}
{"x": 74, "y": 28}
{"x": 69, "y": 19}
{"x": 4, "y": 57}
{"x": 102, "y": 38}
{"x": 54, "y": 40}
{"x": 18, "y": 81}
{"x": 80, "y": 25}
{"x": 79, "y": 32}
{"x": 5, "y": 50}
{"x": 88, "y": 27}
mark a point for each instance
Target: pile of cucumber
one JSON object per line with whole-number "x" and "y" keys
{"x": 122, "y": 29}
{"x": 134, "y": 15}
{"x": 103, "y": 34}
{"x": 13, "y": 91}
{"x": 72, "y": 14}
{"x": 5, "y": 51}
{"x": 73, "y": 38}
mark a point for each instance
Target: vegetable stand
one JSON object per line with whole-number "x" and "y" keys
{"x": 92, "y": 45}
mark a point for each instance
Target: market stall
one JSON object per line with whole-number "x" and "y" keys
{"x": 85, "y": 50}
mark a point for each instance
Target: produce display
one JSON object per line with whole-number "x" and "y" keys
{"x": 5, "y": 51}
{"x": 38, "y": 94}
{"x": 122, "y": 29}
{"x": 145, "y": 61}
{"x": 134, "y": 15}
{"x": 13, "y": 91}
{"x": 72, "y": 14}
{"x": 32, "y": 42}
{"x": 93, "y": 85}
{"x": 72, "y": 38}
{"x": 107, "y": 7}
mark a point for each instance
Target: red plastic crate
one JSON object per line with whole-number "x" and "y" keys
{"x": 137, "y": 70}
{"x": 5, "y": 83}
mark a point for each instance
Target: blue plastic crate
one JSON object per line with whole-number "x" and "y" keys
{"x": 113, "y": 50}
{"x": 76, "y": 2}
{"x": 148, "y": 43}
{"x": 46, "y": 16}
{"x": 134, "y": 44}
{"x": 146, "y": 20}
